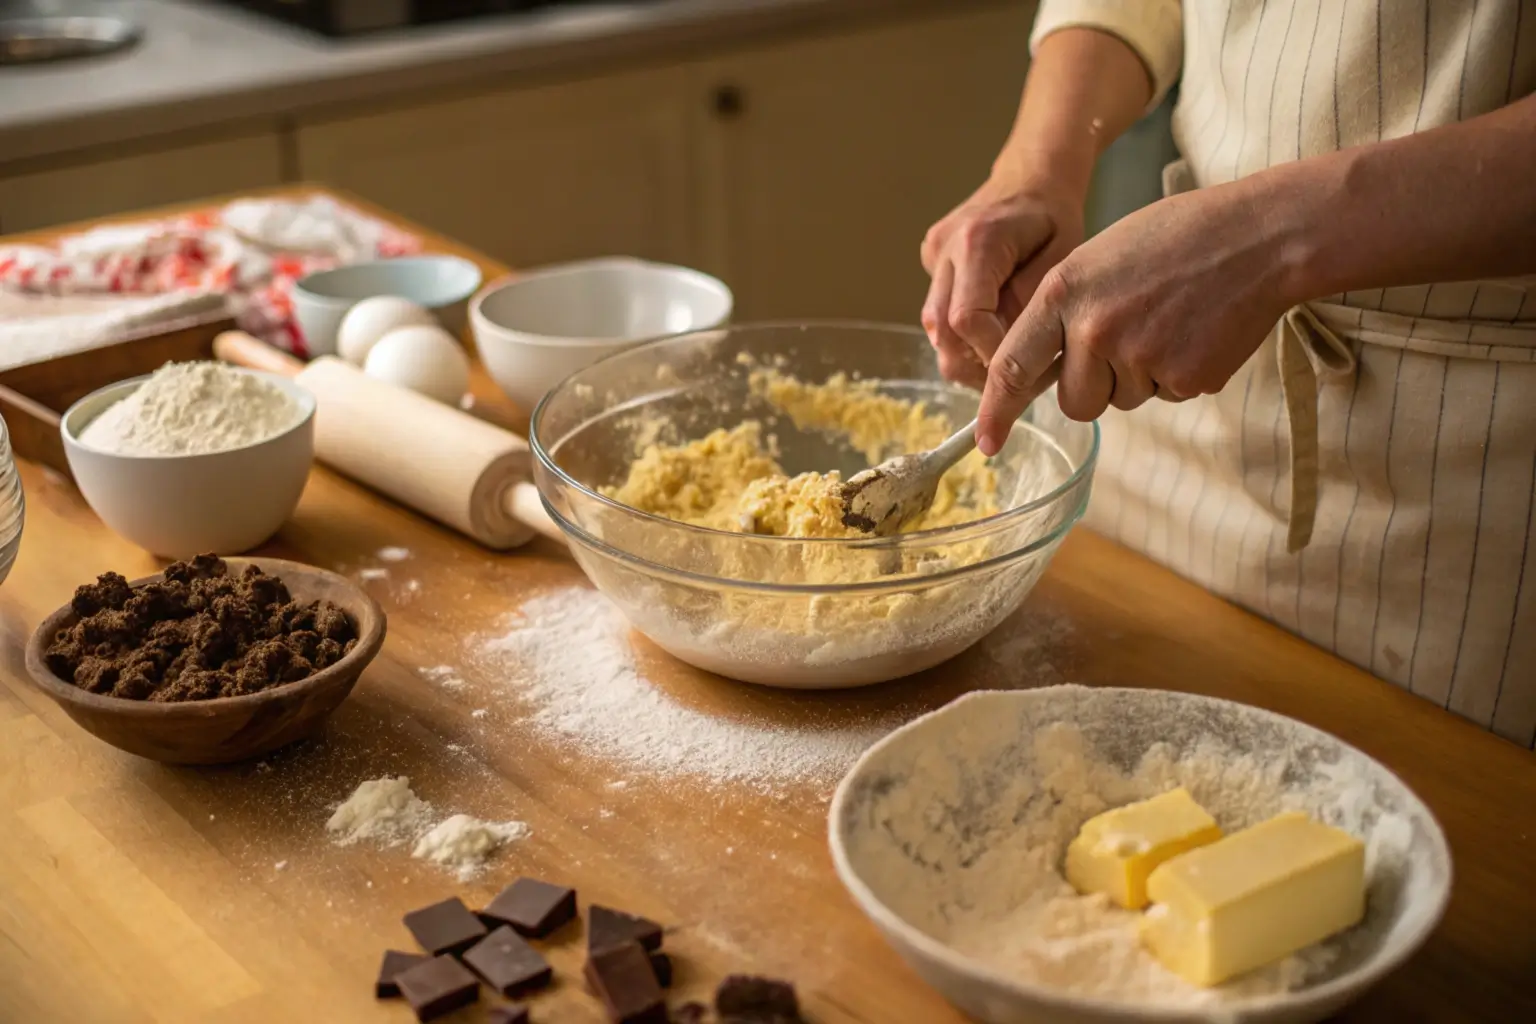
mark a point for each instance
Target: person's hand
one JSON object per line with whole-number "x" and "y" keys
{"x": 985, "y": 259}
{"x": 1166, "y": 303}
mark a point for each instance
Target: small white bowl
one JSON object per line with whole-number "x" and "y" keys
{"x": 914, "y": 821}
{"x": 534, "y": 330}
{"x": 441, "y": 283}
{"x": 178, "y": 506}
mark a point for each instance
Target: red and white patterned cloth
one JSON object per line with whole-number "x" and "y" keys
{"x": 250, "y": 252}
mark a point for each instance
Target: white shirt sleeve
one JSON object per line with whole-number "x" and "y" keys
{"x": 1153, "y": 28}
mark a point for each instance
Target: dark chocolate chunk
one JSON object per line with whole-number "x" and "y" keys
{"x": 621, "y": 976}
{"x": 607, "y": 928}
{"x": 507, "y": 963}
{"x": 437, "y": 986}
{"x": 690, "y": 1013}
{"x": 508, "y": 1015}
{"x": 757, "y": 999}
{"x": 394, "y": 962}
{"x": 446, "y": 927}
{"x": 533, "y": 908}
{"x": 661, "y": 966}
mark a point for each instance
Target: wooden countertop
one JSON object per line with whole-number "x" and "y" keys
{"x": 131, "y": 891}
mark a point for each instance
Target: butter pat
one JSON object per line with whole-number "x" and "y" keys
{"x": 1114, "y": 852}
{"x": 1254, "y": 897}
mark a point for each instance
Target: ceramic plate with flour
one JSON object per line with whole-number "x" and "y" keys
{"x": 951, "y": 833}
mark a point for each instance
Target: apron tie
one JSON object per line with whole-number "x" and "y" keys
{"x": 1309, "y": 355}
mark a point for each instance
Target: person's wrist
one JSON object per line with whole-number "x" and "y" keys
{"x": 1060, "y": 174}
{"x": 1291, "y": 208}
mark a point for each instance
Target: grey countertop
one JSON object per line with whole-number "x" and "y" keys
{"x": 204, "y": 64}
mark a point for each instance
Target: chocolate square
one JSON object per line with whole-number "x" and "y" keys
{"x": 438, "y": 986}
{"x": 533, "y": 908}
{"x": 508, "y": 1015}
{"x": 507, "y": 963}
{"x": 394, "y": 962}
{"x": 661, "y": 966}
{"x": 741, "y": 995}
{"x": 446, "y": 927}
{"x": 622, "y": 977}
{"x": 607, "y": 928}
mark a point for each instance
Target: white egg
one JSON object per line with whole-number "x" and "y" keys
{"x": 371, "y": 319}
{"x": 425, "y": 359}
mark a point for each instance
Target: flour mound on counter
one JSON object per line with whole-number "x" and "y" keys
{"x": 386, "y": 811}
{"x": 380, "y": 810}
{"x": 193, "y": 409}
{"x": 567, "y": 655}
{"x": 462, "y": 843}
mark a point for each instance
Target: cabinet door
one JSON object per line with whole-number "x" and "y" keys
{"x": 530, "y": 176}
{"x": 137, "y": 181}
{"x": 826, "y": 160}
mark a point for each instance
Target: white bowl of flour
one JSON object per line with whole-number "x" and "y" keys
{"x": 950, "y": 834}
{"x": 195, "y": 458}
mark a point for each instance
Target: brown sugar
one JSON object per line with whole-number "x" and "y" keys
{"x": 199, "y": 634}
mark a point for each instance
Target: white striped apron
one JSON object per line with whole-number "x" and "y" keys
{"x": 1366, "y": 479}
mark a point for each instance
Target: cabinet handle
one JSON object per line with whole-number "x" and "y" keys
{"x": 729, "y": 102}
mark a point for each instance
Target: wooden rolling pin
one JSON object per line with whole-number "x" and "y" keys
{"x": 460, "y": 470}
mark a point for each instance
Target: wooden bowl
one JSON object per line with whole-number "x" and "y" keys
{"x": 224, "y": 729}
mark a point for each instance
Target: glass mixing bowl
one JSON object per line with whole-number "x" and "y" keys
{"x": 797, "y": 612}
{"x": 13, "y": 505}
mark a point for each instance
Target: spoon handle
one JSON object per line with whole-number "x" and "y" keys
{"x": 959, "y": 444}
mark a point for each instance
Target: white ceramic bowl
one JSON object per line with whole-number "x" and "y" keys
{"x": 534, "y": 330}
{"x": 177, "y": 506}
{"x": 913, "y": 823}
{"x": 443, "y": 284}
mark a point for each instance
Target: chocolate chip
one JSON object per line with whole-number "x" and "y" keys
{"x": 394, "y": 962}
{"x": 446, "y": 927}
{"x": 622, "y": 977}
{"x": 607, "y": 928}
{"x": 533, "y": 908}
{"x": 437, "y": 986}
{"x": 757, "y": 999}
{"x": 508, "y": 963}
{"x": 661, "y": 966}
{"x": 508, "y": 1015}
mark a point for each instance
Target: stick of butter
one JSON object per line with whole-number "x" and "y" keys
{"x": 1114, "y": 852}
{"x": 1254, "y": 897}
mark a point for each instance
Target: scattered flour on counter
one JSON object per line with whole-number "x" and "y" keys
{"x": 392, "y": 554}
{"x": 479, "y": 713}
{"x": 445, "y": 676}
{"x": 386, "y": 811}
{"x": 380, "y": 810}
{"x": 372, "y": 574}
{"x": 567, "y": 655}
{"x": 462, "y": 843}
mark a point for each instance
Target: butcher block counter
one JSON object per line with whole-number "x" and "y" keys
{"x": 132, "y": 891}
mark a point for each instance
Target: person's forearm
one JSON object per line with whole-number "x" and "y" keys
{"x": 1455, "y": 203}
{"x": 1085, "y": 88}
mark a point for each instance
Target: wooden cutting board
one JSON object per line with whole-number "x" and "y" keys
{"x": 132, "y": 892}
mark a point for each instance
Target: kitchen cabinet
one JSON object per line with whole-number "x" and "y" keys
{"x": 803, "y": 171}
{"x": 119, "y": 183}
{"x": 532, "y": 175}
{"x": 826, "y": 159}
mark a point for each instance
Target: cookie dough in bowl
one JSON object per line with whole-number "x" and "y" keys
{"x": 694, "y": 477}
{"x": 951, "y": 833}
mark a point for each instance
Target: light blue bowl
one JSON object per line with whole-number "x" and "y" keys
{"x": 440, "y": 283}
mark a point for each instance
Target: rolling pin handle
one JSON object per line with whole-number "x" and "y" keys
{"x": 527, "y": 507}
{"x": 241, "y": 349}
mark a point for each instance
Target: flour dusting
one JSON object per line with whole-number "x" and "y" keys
{"x": 387, "y": 812}
{"x": 567, "y": 656}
